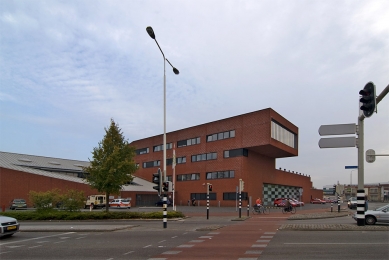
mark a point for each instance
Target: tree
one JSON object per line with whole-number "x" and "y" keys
{"x": 113, "y": 163}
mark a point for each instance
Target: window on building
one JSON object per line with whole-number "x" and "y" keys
{"x": 234, "y": 196}
{"x": 204, "y": 157}
{"x": 236, "y": 153}
{"x": 151, "y": 164}
{"x": 220, "y": 175}
{"x": 221, "y": 136}
{"x": 179, "y": 160}
{"x": 188, "y": 142}
{"x": 142, "y": 151}
{"x": 188, "y": 177}
{"x": 283, "y": 135}
{"x": 203, "y": 196}
{"x": 158, "y": 148}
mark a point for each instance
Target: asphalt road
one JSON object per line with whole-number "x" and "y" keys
{"x": 219, "y": 237}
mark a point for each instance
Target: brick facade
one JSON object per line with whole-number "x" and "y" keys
{"x": 252, "y": 132}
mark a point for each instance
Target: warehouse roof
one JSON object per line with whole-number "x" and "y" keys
{"x": 65, "y": 169}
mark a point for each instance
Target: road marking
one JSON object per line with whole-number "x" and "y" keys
{"x": 210, "y": 237}
{"x": 5, "y": 252}
{"x": 257, "y": 252}
{"x": 197, "y": 241}
{"x": 35, "y": 238}
{"x": 80, "y": 237}
{"x": 336, "y": 243}
{"x": 185, "y": 245}
{"x": 266, "y": 236}
{"x": 162, "y": 241}
{"x": 129, "y": 253}
{"x": 171, "y": 252}
{"x": 35, "y": 246}
{"x": 147, "y": 246}
{"x": 174, "y": 236}
{"x": 59, "y": 242}
{"x": 259, "y": 245}
{"x": 15, "y": 246}
{"x": 263, "y": 240}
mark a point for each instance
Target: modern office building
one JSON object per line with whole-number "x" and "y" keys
{"x": 223, "y": 152}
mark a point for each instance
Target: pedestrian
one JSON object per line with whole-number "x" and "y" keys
{"x": 193, "y": 202}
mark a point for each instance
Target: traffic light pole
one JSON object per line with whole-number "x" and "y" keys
{"x": 361, "y": 190}
{"x": 207, "y": 200}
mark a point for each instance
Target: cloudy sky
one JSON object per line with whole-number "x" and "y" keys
{"x": 67, "y": 67}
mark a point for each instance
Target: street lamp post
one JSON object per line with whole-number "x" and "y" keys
{"x": 151, "y": 33}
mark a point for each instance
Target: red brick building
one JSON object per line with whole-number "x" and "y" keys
{"x": 222, "y": 152}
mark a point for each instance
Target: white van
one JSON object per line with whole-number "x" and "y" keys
{"x": 97, "y": 201}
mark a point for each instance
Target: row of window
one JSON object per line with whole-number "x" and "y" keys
{"x": 199, "y": 157}
{"x": 226, "y": 196}
{"x": 209, "y": 176}
{"x": 188, "y": 142}
{"x": 204, "y": 157}
{"x": 221, "y": 136}
{"x": 158, "y": 148}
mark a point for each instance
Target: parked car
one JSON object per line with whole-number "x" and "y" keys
{"x": 280, "y": 202}
{"x": 8, "y": 226}
{"x": 317, "y": 201}
{"x": 352, "y": 203}
{"x": 160, "y": 203}
{"x": 120, "y": 203}
{"x": 377, "y": 215}
{"x": 298, "y": 203}
{"x": 329, "y": 200}
{"x": 18, "y": 204}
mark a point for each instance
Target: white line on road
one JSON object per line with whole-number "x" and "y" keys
{"x": 147, "y": 246}
{"x": 336, "y": 243}
{"x": 129, "y": 253}
{"x": 162, "y": 241}
{"x": 35, "y": 238}
{"x": 35, "y": 246}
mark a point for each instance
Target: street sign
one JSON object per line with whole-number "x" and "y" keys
{"x": 351, "y": 167}
{"x": 370, "y": 156}
{"x": 337, "y": 142}
{"x": 342, "y": 129}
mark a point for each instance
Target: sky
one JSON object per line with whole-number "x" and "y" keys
{"x": 68, "y": 67}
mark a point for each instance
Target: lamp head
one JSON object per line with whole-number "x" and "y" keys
{"x": 176, "y": 71}
{"x": 150, "y": 31}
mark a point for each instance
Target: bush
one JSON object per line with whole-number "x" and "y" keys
{"x": 53, "y": 214}
{"x": 72, "y": 200}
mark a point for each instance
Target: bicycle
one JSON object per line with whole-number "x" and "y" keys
{"x": 291, "y": 210}
{"x": 260, "y": 209}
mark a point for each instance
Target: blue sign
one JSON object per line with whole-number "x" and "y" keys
{"x": 351, "y": 167}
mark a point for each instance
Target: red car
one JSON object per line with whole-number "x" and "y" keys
{"x": 318, "y": 201}
{"x": 280, "y": 202}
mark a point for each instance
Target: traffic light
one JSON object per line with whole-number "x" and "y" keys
{"x": 165, "y": 186}
{"x": 210, "y": 187}
{"x": 368, "y": 99}
{"x": 157, "y": 179}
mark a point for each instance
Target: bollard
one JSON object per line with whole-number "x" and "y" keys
{"x": 331, "y": 206}
{"x": 248, "y": 209}
{"x": 90, "y": 207}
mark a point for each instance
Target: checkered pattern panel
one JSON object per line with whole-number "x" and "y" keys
{"x": 273, "y": 191}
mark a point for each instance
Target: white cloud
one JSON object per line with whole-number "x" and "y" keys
{"x": 68, "y": 67}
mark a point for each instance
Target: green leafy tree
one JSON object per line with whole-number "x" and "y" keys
{"x": 113, "y": 163}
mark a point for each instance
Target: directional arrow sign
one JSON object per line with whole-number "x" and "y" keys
{"x": 343, "y": 129}
{"x": 337, "y": 142}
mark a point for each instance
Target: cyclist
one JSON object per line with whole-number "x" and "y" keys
{"x": 288, "y": 205}
{"x": 258, "y": 202}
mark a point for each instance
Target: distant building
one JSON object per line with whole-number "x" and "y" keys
{"x": 22, "y": 173}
